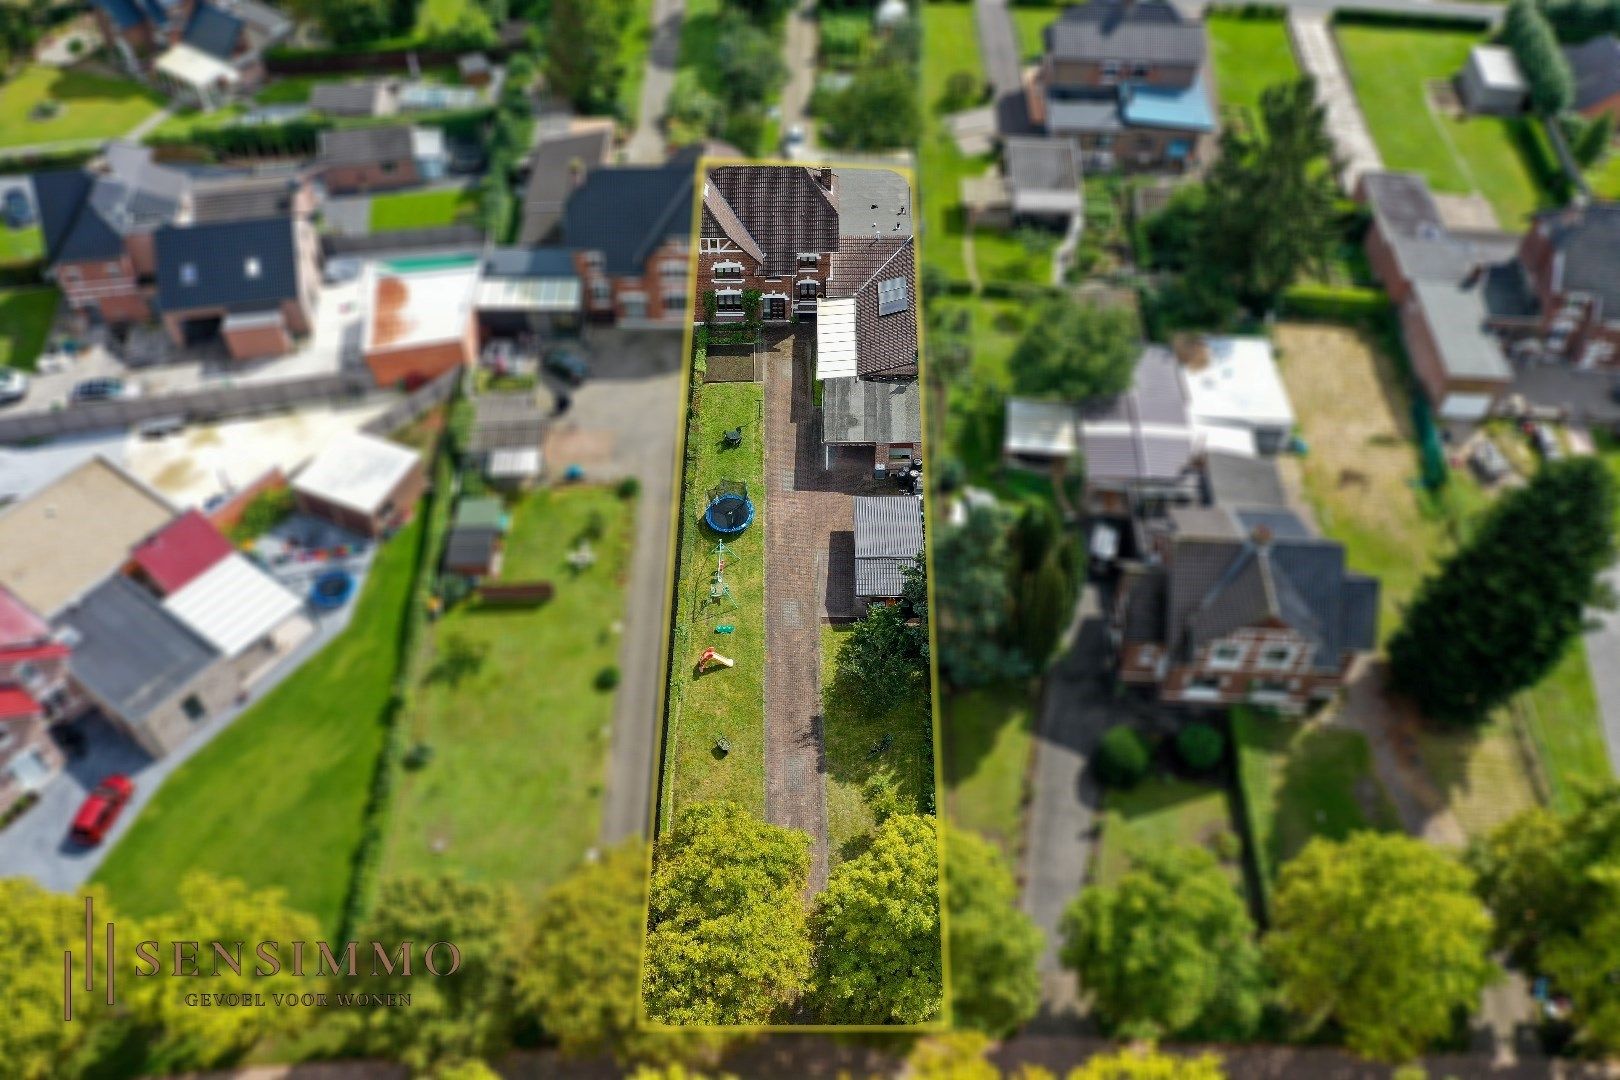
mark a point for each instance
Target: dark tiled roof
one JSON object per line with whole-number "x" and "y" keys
{"x": 1126, "y": 30}
{"x": 242, "y": 198}
{"x": 1142, "y": 618}
{"x": 1238, "y": 481}
{"x": 1358, "y": 612}
{"x": 131, "y": 653}
{"x": 784, "y": 208}
{"x": 886, "y": 345}
{"x": 213, "y": 31}
{"x": 123, "y": 13}
{"x": 366, "y": 146}
{"x": 720, "y": 220}
{"x": 523, "y": 262}
{"x": 221, "y": 274}
{"x": 1588, "y": 238}
{"x": 554, "y": 171}
{"x": 1507, "y": 292}
{"x": 888, "y": 538}
{"x": 71, "y": 228}
{"x": 627, "y": 212}
{"x": 866, "y": 411}
{"x": 1596, "y": 65}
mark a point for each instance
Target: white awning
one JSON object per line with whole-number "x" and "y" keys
{"x": 187, "y": 64}
{"x": 835, "y": 338}
{"x": 514, "y": 462}
{"x": 559, "y": 295}
{"x": 233, "y": 604}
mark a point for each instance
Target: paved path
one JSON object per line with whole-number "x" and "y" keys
{"x": 799, "y": 527}
{"x": 1078, "y": 706}
{"x": 1318, "y": 54}
{"x": 1603, "y": 659}
{"x": 646, "y": 145}
{"x": 998, "y": 46}
{"x": 800, "y": 46}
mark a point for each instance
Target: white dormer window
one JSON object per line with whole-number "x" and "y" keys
{"x": 808, "y": 260}
{"x": 1227, "y": 656}
{"x": 1277, "y": 657}
{"x": 728, "y": 269}
{"x": 188, "y": 273}
{"x": 252, "y": 268}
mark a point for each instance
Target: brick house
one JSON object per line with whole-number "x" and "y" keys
{"x": 1125, "y": 80}
{"x": 251, "y": 284}
{"x": 1242, "y": 606}
{"x": 1570, "y": 261}
{"x": 629, "y": 228}
{"x": 359, "y": 160}
{"x": 771, "y": 229}
{"x": 201, "y": 52}
{"x": 33, "y": 687}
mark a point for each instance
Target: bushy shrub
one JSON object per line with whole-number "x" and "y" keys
{"x": 1200, "y": 746}
{"x": 628, "y": 488}
{"x": 607, "y": 678}
{"x": 1122, "y": 757}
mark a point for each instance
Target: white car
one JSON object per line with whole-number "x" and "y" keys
{"x": 13, "y": 385}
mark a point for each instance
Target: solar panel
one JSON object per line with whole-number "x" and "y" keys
{"x": 892, "y": 296}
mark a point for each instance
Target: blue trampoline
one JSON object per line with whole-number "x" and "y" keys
{"x": 331, "y": 590}
{"x": 730, "y": 510}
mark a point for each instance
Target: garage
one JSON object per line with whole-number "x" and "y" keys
{"x": 201, "y": 330}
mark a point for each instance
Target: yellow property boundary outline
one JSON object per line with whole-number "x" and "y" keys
{"x": 678, "y": 501}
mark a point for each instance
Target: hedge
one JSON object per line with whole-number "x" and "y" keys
{"x": 1415, "y": 21}
{"x": 1332, "y": 302}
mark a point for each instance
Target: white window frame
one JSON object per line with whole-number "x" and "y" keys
{"x": 720, "y": 296}
{"x": 712, "y": 243}
{"x": 813, "y": 258}
{"x": 1218, "y": 663}
{"x": 627, "y": 299}
{"x": 765, "y": 306}
{"x": 728, "y": 270}
{"x": 1290, "y": 655}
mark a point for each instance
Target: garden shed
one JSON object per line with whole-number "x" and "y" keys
{"x": 1491, "y": 82}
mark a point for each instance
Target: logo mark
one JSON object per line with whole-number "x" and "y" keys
{"x": 89, "y": 962}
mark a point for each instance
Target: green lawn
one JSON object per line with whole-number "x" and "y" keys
{"x": 1390, "y": 68}
{"x": 633, "y": 48}
{"x": 988, "y": 739}
{"x": 1249, "y": 55}
{"x": 513, "y": 792}
{"x": 894, "y": 747}
{"x": 949, "y": 46}
{"x": 20, "y": 245}
{"x": 277, "y": 798}
{"x": 1030, "y": 23}
{"x": 1159, "y": 812}
{"x": 723, "y": 702}
{"x": 438, "y": 17}
{"x": 422, "y": 209}
{"x": 1301, "y": 780}
{"x": 93, "y": 107}
{"x": 25, "y": 322}
{"x": 1605, "y": 175}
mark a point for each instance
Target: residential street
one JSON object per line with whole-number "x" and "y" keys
{"x": 998, "y": 44}
{"x": 799, "y": 47}
{"x": 646, "y": 145}
{"x": 1059, "y": 833}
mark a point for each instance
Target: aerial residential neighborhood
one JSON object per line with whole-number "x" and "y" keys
{"x": 872, "y": 538}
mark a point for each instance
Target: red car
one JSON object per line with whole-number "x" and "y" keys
{"x": 101, "y": 808}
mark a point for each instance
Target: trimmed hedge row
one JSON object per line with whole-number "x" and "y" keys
{"x": 1416, "y": 21}
{"x": 1333, "y": 302}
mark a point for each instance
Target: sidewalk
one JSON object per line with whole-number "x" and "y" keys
{"x": 1312, "y": 34}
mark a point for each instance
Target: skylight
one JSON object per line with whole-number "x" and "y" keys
{"x": 892, "y": 296}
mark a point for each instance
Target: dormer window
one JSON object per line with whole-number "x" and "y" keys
{"x": 732, "y": 270}
{"x": 808, "y": 260}
{"x": 252, "y": 268}
{"x": 188, "y": 273}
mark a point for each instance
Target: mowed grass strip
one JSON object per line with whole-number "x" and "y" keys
{"x": 513, "y": 792}
{"x": 1161, "y": 812}
{"x": 26, "y": 316}
{"x": 422, "y": 209}
{"x": 90, "y": 106}
{"x": 720, "y": 703}
{"x": 1250, "y": 54}
{"x": 989, "y": 738}
{"x": 278, "y": 798}
{"x": 891, "y": 749}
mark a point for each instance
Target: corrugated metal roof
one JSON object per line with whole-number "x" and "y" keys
{"x": 888, "y": 538}
{"x": 233, "y": 604}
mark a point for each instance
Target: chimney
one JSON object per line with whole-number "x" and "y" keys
{"x": 826, "y": 178}
{"x": 1191, "y": 349}
{"x": 1260, "y": 535}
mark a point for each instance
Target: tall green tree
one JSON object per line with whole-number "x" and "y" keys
{"x": 877, "y": 931}
{"x": 1076, "y": 351}
{"x": 1168, "y": 950}
{"x": 36, "y": 928}
{"x": 1535, "y": 46}
{"x": 994, "y": 946}
{"x": 727, "y": 939}
{"x": 1382, "y": 934}
{"x": 975, "y": 601}
{"x": 1502, "y": 609}
{"x": 878, "y": 110}
{"x": 1268, "y": 211}
{"x": 582, "y": 52}
{"x": 1553, "y": 884}
{"x": 455, "y": 1017}
{"x": 578, "y": 979}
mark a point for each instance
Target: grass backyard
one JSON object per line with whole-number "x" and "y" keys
{"x": 422, "y": 209}
{"x": 1392, "y": 68}
{"x": 26, "y": 316}
{"x": 277, "y": 798}
{"x": 21, "y": 245}
{"x": 869, "y": 753}
{"x": 724, "y": 703}
{"x": 988, "y": 738}
{"x": 1159, "y": 812}
{"x": 949, "y": 46}
{"x": 513, "y": 791}
{"x": 1249, "y": 54}
{"x": 93, "y": 107}
{"x": 700, "y": 38}
{"x": 1605, "y": 175}
{"x": 1030, "y": 24}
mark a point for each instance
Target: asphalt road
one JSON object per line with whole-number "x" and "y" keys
{"x": 646, "y": 145}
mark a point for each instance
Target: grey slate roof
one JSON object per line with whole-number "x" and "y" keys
{"x": 1144, "y": 433}
{"x": 366, "y": 146}
{"x": 1596, "y": 65}
{"x": 213, "y": 31}
{"x": 526, "y": 262}
{"x": 1587, "y": 240}
{"x": 1238, "y": 481}
{"x": 868, "y": 411}
{"x": 220, "y": 254}
{"x": 1456, "y": 318}
{"x": 470, "y": 545}
{"x": 242, "y": 198}
{"x": 131, "y": 653}
{"x": 559, "y": 163}
{"x": 627, "y": 212}
{"x": 784, "y": 209}
{"x": 873, "y": 195}
{"x": 369, "y": 97}
{"x": 70, "y": 230}
{"x": 1042, "y": 174}
{"x": 888, "y": 538}
{"x": 1156, "y": 394}
{"x": 1151, "y": 31}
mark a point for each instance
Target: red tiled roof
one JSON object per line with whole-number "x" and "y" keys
{"x": 19, "y": 625}
{"x": 18, "y": 704}
{"x": 180, "y": 551}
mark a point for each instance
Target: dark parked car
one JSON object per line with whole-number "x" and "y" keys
{"x": 93, "y": 390}
{"x": 16, "y": 209}
{"x": 568, "y": 364}
{"x": 101, "y": 808}
{"x": 1544, "y": 439}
